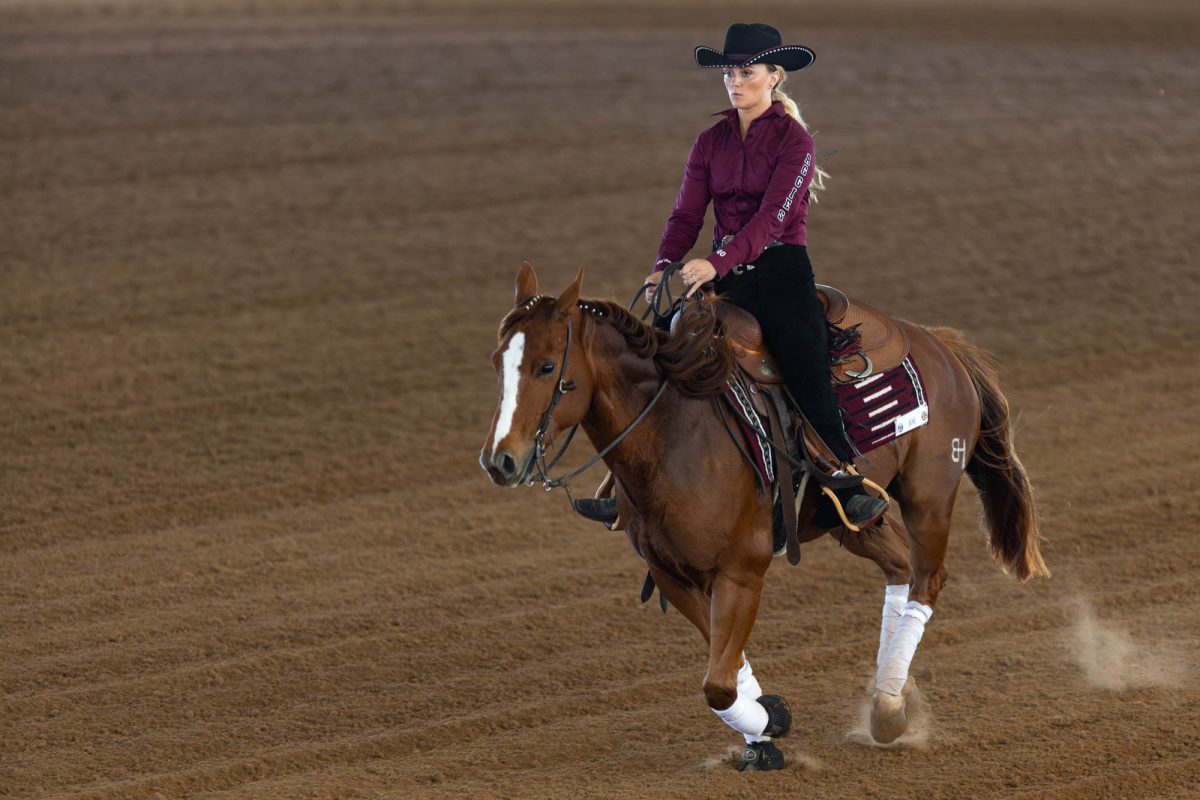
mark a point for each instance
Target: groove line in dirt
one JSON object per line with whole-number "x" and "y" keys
{"x": 956, "y": 632}
{"x": 357, "y": 747}
{"x": 253, "y": 273}
{"x": 1133, "y": 508}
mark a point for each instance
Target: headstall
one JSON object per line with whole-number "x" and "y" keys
{"x": 561, "y": 387}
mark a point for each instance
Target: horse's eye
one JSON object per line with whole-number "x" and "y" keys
{"x": 547, "y": 368}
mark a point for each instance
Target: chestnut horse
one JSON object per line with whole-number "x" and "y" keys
{"x": 691, "y": 505}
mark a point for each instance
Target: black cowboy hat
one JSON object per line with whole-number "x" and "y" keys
{"x": 754, "y": 43}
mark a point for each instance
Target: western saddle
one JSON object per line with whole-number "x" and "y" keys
{"x": 881, "y": 345}
{"x": 864, "y": 342}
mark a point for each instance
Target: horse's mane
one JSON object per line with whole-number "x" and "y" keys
{"x": 695, "y": 358}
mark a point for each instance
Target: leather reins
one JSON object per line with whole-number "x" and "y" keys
{"x": 562, "y": 387}
{"x": 540, "y": 467}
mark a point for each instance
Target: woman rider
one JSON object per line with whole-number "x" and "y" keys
{"x": 757, "y": 166}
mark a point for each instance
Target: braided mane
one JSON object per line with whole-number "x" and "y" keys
{"x": 696, "y": 358}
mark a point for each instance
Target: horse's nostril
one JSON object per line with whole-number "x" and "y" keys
{"x": 508, "y": 465}
{"x": 504, "y": 468}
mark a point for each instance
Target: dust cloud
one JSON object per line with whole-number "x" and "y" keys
{"x": 1112, "y": 659}
{"x": 917, "y": 737}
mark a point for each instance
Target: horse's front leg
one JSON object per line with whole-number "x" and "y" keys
{"x": 730, "y": 687}
{"x": 694, "y": 604}
{"x": 688, "y": 600}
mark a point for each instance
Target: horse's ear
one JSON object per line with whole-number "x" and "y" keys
{"x": 526, "y": 283}
{"x": 570, "y": 295}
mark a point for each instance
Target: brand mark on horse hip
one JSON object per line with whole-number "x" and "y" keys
{"x": 958, "y": 450}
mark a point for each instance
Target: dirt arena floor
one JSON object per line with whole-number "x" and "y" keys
{"x": 252, "y": 259}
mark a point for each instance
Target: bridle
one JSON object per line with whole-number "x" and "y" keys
{"x": 561, "y": 387}
{"x": 539, "y": 471}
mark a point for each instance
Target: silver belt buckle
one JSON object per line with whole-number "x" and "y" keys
{"x": 742, "y": 269}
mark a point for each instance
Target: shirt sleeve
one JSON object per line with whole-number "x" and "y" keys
{"x": 785, "y": 191}
{"x": 691, "y": 204}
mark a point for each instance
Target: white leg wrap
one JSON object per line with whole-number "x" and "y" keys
{"x": 747, "y": 683}
{"x": 748, "y": 688}
{"x": 744, "y": 716}
{"x": 894, "y": 598}
{"x": 893, "y": 672}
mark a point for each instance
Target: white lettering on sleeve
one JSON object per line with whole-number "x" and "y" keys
{"x": 787, "y": 204}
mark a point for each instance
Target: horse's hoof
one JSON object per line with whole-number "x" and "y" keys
{"x": 779, "y": 716}
{"x": 760, "y": 757}
{"x": 889, "y": 713}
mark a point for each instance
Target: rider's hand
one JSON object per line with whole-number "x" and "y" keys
{"x": 697, "y": 272}
{"x": 653, "y": 279}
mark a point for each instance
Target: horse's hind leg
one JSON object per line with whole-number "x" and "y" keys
{"x": 928, "y": 522}
{"x": 927, "y": 516}
{"x": 887, "y": 546}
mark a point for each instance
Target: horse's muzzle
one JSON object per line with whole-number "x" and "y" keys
{"x": 504, "y": 468}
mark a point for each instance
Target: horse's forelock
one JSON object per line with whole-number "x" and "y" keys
{"x": 520, "y": 313}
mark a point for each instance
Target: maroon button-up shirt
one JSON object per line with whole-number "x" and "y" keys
{"x": 758, "y": 187}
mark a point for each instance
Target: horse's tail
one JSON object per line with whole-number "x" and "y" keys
{"x": 995, "y": 468}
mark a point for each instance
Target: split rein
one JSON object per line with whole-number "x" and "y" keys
{"x": 540, "y": 468}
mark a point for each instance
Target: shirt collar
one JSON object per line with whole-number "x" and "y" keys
{"x": 775, "y": 109}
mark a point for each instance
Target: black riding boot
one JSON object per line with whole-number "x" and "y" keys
{"x": 862, "y": 509}
{"x": 602, "y": 510}
{"x": 780, "y": 292}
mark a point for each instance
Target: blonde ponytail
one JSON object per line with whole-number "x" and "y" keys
{"x": 793, "y": 110}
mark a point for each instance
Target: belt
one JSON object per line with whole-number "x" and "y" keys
{"x": 739, "y": 269}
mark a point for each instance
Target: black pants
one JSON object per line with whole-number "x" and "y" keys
{"x": 781, "y": 294}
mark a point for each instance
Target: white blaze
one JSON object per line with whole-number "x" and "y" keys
{"x": 513, "y": 355}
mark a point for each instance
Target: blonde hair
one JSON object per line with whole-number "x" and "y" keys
{"x": 793, "y": 110}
